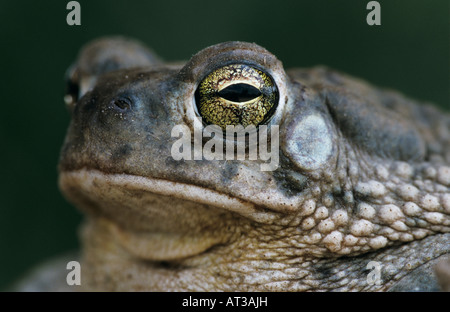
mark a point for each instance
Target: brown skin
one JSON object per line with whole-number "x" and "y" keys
{"x": 363, "y": 176}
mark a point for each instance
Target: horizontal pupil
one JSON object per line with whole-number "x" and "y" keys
{"x": 239, "y": 92}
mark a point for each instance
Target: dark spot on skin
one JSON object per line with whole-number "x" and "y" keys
{"x": 168, "y": 265}
{"x": 164, "y": 264}
{"x": 157, "y": 264}
{"x": 121, "y": 153}
{"x": 289, "y": 182}
{"x": 345, "y": 198}
{"x": 231, "y": 170}
{"x": 323, "y": 271}
{"x": 327, "y": 269}
{"x": 88, "y": 103}
{"x": 172, "y": 163}
{"x": 360, "y": 197}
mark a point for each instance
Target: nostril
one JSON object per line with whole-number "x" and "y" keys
{"x": 122, "y": 103}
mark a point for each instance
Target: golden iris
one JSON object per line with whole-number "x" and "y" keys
{"x": 236, "y": 94}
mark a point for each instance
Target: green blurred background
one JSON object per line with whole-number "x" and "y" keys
{"x": 408, "y": 52}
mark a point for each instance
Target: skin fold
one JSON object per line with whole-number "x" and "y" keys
{"x": 363, "y": 177}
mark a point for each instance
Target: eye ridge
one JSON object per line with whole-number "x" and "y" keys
{"x": 239, "y": 92}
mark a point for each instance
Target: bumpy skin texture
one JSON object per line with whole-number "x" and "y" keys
{"x": 363, "y": 176}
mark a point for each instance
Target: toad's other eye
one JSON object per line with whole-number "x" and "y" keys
{"x": 236, "y": 94}
{"x": 72, "y": 88}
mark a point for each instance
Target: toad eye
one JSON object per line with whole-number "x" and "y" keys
{"x": 72, "y": 88}
{"x": 236, "y": 94}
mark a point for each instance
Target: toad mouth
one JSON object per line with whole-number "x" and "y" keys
{"x": 87, "y": 180}
{"x": 155, "y": 219}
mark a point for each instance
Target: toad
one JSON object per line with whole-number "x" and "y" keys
{"x": 359, "y": 199}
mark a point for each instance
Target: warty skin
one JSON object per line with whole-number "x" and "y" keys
{"x": 364, "y": 175}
